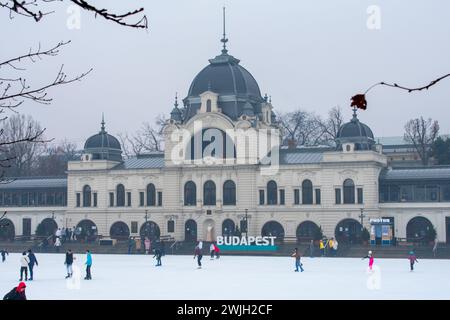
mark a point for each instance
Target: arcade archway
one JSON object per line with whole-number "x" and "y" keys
{"x": 348, "y": 231}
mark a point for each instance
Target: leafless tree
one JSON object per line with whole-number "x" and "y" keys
{"x": 330, "y": 126}
{"x": 147, "y": 139}
{"x": 54, "y": 161}
{"x": 37, "y": 9}
{"x": 299, "y": 128}
{"x": 421, "y": 134}
{"x": 21, "y": 141}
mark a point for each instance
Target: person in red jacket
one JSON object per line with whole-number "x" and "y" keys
{"x": 17, "y": 293}
{"x": 412, "y": 259}
{"x": 370, "y": 257}
{"x": 217, "y": 251}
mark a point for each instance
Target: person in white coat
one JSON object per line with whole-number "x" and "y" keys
{"x": 24, "y": 261}
{"x": 57, "y": 244}
{"x": 335, "y": 247}
{"x": 212, "y": 250}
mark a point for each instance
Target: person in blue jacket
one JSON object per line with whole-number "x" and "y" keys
{"x": 33, "y": 261}
{"x": 88, "y": 265}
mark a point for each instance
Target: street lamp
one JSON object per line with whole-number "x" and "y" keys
{"x": 361, "y": 217}
{"x": 53, "y": 215}
{"x": 246, "y": 223}
{"x": 146, "y": 224}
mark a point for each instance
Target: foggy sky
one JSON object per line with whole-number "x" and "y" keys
{"x": 308, "y": 54}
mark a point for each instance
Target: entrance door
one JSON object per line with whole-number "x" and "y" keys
{"x": 26, "y": 227}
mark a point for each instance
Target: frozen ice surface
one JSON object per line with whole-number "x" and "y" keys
{"x": 230, "y": 277}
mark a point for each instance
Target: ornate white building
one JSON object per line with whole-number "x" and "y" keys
{"x": 216, "y": 180}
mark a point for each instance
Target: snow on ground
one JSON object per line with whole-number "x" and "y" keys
{"x": 230, "y": 277}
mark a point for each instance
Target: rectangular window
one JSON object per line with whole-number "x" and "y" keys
{"x": 338, "y": 195}
{"x": 129, "y": 199}
{"x": 170, "y": 226}
{"x": 134, "y": 227}
{"x": 141, "y": 199}
{"x": 95, "y": 199}
{"x": 78, "y": 199}
{"x": 360, "y": 195}
{"x": 111, "y": 199}
{"x": 282, "y": 196}
{"x": 296, "y": 196}
{"x": 159, "y": 198}
{"x": 318, "y": 196}
{"x": 261, "y": 197}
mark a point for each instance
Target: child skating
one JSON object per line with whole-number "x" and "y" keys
{"x": 370, "y": 257}
{"x": 412, "y": 259}
{"x": 158, "y": 255}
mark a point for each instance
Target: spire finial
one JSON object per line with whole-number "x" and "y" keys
{"x": 103, "y": 123}
{"x": 354, "y": 113}
{"x": 176, "y": 100}
{"x": 224, "y": 40}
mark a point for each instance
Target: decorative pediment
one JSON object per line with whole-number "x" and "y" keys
{"x": 86, "y": 179}
{"x": 119, "y": 177}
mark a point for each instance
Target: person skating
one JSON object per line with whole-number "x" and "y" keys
{"x": 33, "y": 261}
{"x": 158, "y": 255}
{"x": 57, "y": 244}
{"x": 217, "y": 251}
{"x": 131, "y": 245}
{"x": 24, "y": 261}
{"x": 198, "y": 254}
{"x": 212, "y": 250}
{"x": 330, "y": 247}
{"x": 435, "y": 247}
{"x": 412, "y": 259}
{"x": 88, "y": 264}
{"x": 68, "y": 262}
{"x": 370, "y": 257}
{"x": 17, "y": 293}
{"x": 297, "y": 257}
{"x": 4, "y": 254}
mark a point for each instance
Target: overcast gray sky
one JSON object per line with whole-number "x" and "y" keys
{"x": 308, "y": 54}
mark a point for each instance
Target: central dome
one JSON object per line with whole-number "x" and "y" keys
{"x": 225, "y": 76}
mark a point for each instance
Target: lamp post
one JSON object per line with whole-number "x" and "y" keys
{"x": 246, "y": 223}
{"x": 53, "y": 215}
{"x": 361, "y": 217}
{"x": 146, "y": 224}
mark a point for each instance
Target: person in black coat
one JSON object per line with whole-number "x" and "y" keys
{"x": 158, "y": 255}
{"x": 17, "y": 293}
{"x": 4, "y": 254}
{"x": 32, "y": 262}
{"x": 68, "y": 262}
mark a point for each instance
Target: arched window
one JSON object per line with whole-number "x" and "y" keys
{"x": 151, "y": 195}
{"x": 209, "y": 193}
{"x": 86, "y": 196}
{"x": 120, "y": 195}
{"x": 190, "y": 193}
{"x": 229, "y": 193}
{"x": 307, "y": 192}
{"x": 272, "y": 192}
{"x": 208, "y": 105}
{"x": 349, "y": 191}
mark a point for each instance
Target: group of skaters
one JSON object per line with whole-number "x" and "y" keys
{"x": 214, "y": 251}
{"x": 411, "y": 257}
{"x": 135, "y": 246}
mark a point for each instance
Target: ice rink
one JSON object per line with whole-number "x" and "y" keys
{"x": 230, "y": 277}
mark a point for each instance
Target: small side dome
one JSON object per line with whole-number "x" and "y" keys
{"x": 103, "y": 146}
{"x": 176, "y": 113}
{"x": 355, "y": 132}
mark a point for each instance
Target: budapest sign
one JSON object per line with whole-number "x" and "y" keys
{"x": 234, "y": 243}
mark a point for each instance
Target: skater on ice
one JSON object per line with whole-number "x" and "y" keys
{"x": 24, "y": 261}
{"x": 88, "y": 264}
{"x": 298, "y": 263}
{"x": 4, "y": 254}
{"x": 33, "y": 261}
{"x": 198, "y": 255}
{"x": 158, "y": 255}
{"x": 57, "y": 244}
{"x": 370, "y": 257}
{"x": 212, "y": 250}
{"x": 217, "y": 251}
{"x": 68, "y": 262}
{"x": 412, "y": 259}
{"x": 322, "y": 248}
{"x": 17, "y": 293}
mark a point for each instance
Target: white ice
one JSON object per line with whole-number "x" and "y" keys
{"x": 230, "y": 277}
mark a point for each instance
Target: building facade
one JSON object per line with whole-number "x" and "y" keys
{"x": 210, "y": 181}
